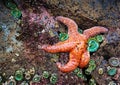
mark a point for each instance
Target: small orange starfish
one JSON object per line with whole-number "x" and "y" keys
{"x": 76, "y": 44}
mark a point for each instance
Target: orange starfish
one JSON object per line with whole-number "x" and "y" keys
{"x": 76, "y": 44}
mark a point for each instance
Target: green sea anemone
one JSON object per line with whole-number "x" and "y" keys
{"x": 63, "y": 36}
{"x": 27, "y": 76}
{"x": 10, "y": 4}
{"x": 92, "y": 81}
{"x": 53, "y": 78}
{"x": 36, "y": 78}
{"x": 93, "y": 45}
{"x": 45, "y": 74}
{"x": 11, "y": 82}
{"x": 114, "y": 61}
{"x": 99, "y": 38}
{"x": 16, "y": 13}
{"x": 79, "y": 73}
{"x": 112, "y": 71}
{"x": 91, "y": 67}
{"x": 18, "y": 75}
{"x": 76, "y": 70}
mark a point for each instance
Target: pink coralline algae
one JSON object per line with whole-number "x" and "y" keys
{"x": 41, "y": 19}
{"x": 35, "y": 22}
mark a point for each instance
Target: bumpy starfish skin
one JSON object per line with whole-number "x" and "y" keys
{"x": 76, "y": 45}
{"x": 94, "y": 31}
{"x": 84, "y": 60}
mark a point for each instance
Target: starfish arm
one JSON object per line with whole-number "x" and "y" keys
{"x": 94, "y": 31}
{"x": 71, "y": 65}
{"x": 59, "y": 47}
{"x": 72, "y": 26}
{"x": 74, "y": 59}
{"x": 84, "y": 59}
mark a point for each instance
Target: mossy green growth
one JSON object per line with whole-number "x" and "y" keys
{"x": 112, "y": 71}
{"x": 91, "y": 67}
{"x": 45, "y": 74}
{"x": 93, "y": 45}
{"x": 36, "y": 78}
{"x": 53, "y": 78}
{"x": 10, "y": 4}
{"x": 63, "y": 36}
{"x": 92, "y": 82}
{"x": 16, "y": 13}
{"x": 99, "y": 38}
{"x": 18, "y": 75}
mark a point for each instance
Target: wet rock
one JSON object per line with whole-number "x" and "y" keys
{"x": 85, "y": 12}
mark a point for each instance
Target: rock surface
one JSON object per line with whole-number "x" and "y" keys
{"x": 19, "y": 42}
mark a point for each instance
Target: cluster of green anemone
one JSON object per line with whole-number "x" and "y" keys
{"x": 15, "y": 12}
{"x": 63, "y": 36}
{"x": 94, "y": 42}
{"x": 80, "y": 74}
{"x": 20, "y": 76}
{"x": 52, "y": 77}
{"x": 91, "y": 67}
